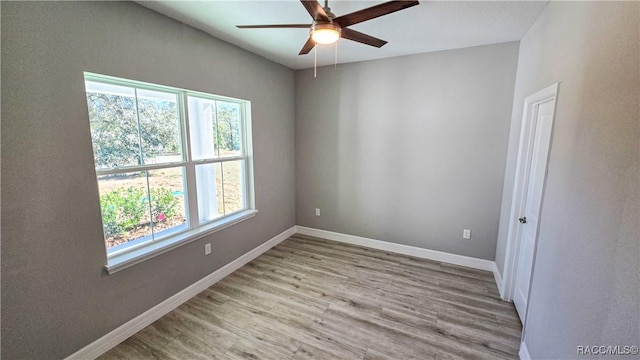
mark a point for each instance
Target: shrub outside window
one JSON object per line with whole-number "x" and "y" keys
{"x": 172, "y": 164}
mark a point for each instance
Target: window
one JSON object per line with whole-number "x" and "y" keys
{"x": 172, "y": 165}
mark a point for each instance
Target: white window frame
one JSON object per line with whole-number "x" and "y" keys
{"x": 119, "y": 259}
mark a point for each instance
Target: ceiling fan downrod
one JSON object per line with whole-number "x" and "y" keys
{"x": 327, "y": 10}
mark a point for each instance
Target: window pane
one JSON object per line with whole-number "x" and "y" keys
{"x": 134, "y": 125}
{"x": 159, "y": 126}
{"x": 124, "y": 201}
{"x": 114, "y": 125}
{"x": 209, "y": 189}
{"x": 233, "y": 186}
{"x": 167, "y": 201}
{"x": 229, "y": 130}
{"x": 202, "y": 128}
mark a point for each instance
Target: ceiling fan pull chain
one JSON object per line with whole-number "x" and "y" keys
{"x": 315, "y": 61}
{"x": 335, "y": 60}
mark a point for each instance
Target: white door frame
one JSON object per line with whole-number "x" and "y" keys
{"x": 527, "y": 131}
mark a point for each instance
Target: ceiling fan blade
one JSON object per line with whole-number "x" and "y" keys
{"x": 362, "y": 38}
{"x": 275, "y": 26}
{"x": 373, "y": 12}
{"x": 315, "y": 10}
{"x": 310, "y": 44}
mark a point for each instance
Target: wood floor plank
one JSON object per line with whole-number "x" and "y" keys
{"x": 246, "y": 349}
{"x": 369, "y": 330}
{"x": 134, "y": 348}
{"x": 310, "y": 298}
{"x": 494, "y": 339}
{"x": 380, "y": 352}
{"x": 308, "y": 352}
{"x": 215, "y": 298}
{"x": 306, "y": 271}
{"x": 292, "y": 326}
{"x": 420, "y": 319}
{"x": 211, "y": 338}
{"x": 369, "y": 253}
{"x": 260, "y": 328}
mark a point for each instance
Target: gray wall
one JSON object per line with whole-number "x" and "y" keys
{"x": 587, "y": 266}
{"x": 56, "y": 297}
{"x": 409, "y": 150}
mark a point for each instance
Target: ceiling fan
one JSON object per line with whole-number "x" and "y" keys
{"x": 327, "y": 28}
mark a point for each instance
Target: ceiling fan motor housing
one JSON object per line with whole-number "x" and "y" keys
{"x": 321, "y": 25}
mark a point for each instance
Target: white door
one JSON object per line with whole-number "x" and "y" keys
{"x": 537, "y": 151}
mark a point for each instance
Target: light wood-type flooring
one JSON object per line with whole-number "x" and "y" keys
{"x": 309, "y": 298}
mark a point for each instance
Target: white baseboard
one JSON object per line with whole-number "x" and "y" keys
{"x": 524, "y": 352}
{"x": 461, "y": 260}
{"x": 498, "y": 279}
{"x": 145, "y": 319}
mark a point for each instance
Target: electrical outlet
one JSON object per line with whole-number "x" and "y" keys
{"x": 317, "y": 212}
{"x": 207, "y": 248}
{"x": 466, "y": 234}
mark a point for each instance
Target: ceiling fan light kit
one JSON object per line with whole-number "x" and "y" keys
{"x": 325, "y": 34}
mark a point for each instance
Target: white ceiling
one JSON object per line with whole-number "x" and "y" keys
{"x": 429, "y": 26}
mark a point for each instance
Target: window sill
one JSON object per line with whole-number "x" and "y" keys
{"x": 120, "y": 261}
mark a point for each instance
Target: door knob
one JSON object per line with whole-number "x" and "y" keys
{"x": 523, "y": 220}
